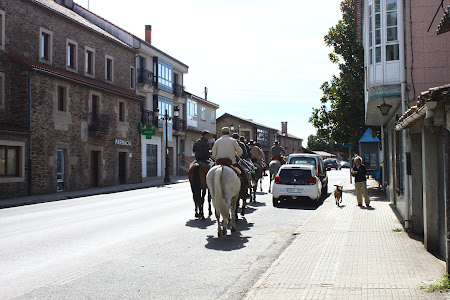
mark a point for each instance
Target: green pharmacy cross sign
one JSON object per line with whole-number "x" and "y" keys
{"x": 148, "y": 132}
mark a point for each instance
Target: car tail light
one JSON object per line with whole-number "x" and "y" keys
{"x": 312, "y": 180}
{"x": 278, "y": 180}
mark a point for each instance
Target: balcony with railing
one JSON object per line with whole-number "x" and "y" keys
{"x": 178, "y": 90}
{"x": 98, "y": 123}
{"x": 149, "y": 118}
{"x": 179, "y": 124}
{"x": 145, "y": 77}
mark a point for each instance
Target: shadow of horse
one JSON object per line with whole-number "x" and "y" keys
{"x": 200, "y": 224}
{"x": 257, "y": 204}
{"x": 233, "y": 241}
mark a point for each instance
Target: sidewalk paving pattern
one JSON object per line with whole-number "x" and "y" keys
{"x": 351, "y": 253}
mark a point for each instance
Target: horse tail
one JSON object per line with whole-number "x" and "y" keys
{"x": 219, "y": 201}
{"x": 196, "y": 184}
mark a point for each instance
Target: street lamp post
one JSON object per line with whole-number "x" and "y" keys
{"x": 166, "y": 118}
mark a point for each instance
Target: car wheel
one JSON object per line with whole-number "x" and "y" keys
{"x": 275, "y": 202}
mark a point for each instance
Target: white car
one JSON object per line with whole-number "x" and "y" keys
{"x": 296, "y": 182}
{"x": 313, "y": 160}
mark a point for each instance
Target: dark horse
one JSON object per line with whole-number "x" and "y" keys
{"x": 197, "y": 178}
{"x": 255, "y": 178}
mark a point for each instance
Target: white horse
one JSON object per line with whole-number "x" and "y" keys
{"x": 274, "y": 166}
{"x": 224, "y": 186}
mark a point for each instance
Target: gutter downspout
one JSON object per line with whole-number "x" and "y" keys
{"x": 405, "y": 148}
{"x": 30, "y": 98}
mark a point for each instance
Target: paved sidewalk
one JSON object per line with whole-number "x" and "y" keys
{"x": 351, "y": 253}
{"x": 146, "y": 182}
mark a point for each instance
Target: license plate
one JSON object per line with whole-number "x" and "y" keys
{"x": 294, "y": 190}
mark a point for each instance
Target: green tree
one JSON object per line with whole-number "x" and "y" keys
{"x": 340, "y": 119}
{"x": 316, "y": 143}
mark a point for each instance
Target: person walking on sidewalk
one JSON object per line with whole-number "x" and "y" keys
{"x": 359, "y": 172}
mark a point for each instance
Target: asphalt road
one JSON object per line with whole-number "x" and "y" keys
{"x": 141, "y": 244}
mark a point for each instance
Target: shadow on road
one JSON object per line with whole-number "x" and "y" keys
{"x": 233, "y": 240}
{"x": 293, "y": 204}
{"x": 200, "y": 224}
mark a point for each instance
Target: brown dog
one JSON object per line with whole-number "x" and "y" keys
{"x": 338, "y": 194}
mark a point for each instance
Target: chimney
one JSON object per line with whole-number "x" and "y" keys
{"x": 148, "y": 34}
{"x": 284, "y": 128}
{"x": 206, "y": 93}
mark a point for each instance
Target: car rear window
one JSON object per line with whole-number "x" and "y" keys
{"x": 303, "y": 161}
{"x": 295, "y": 176}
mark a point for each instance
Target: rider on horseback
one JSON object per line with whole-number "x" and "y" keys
{"x": 225, "y": 150}
{"x": 201, "y": 148}
{"x": 278, "y": 152}
{"x": 257, "y": 154}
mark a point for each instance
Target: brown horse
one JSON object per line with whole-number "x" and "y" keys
{"x": 197, "y": 178}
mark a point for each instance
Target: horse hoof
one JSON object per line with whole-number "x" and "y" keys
{"x": 242, "y": 213}
{"x": 196, "y": 215}
{"x": 233, "y": 229}
{"x": 203, "y": 218}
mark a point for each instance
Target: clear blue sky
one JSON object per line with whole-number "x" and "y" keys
{"x": 261, "y": 60}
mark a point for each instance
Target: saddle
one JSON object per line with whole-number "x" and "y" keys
{"x": 227, "y": 162}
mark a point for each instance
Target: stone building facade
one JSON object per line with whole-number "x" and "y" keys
{"x": 262, "y": 134}
{"x": 69, "y": 112}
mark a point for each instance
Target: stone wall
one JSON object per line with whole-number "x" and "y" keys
{"x": 52, "y": 129}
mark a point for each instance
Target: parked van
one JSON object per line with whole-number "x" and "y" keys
{"x": 313, "y": 160}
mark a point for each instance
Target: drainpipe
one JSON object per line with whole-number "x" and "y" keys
{"x": 384, "y": 158}
{"x": 29, "y": 128}
{"x": 404, "y": 96}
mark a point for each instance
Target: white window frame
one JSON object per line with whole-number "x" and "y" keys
{"x": 86, "y": 49}
{"x": 2, "y": 31}
{"x": 192, "y": 107}
{"x": 108, "y": 57}
{"x": 132, "y": 78}
{"x": 213, "y": 116}
{"x": 203, "y": 113}
{"x": 68, "y": 68}
{"x": 2, "y": 90}
{"x": 50, "y": 46}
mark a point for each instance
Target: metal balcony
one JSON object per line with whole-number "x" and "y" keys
{"x": 145, "y": 76}
{"x": 179, "y": 124}
{"x": 149, "y": 118}
{"x": 178, "y": 90}
{"x": 98, "y": 123}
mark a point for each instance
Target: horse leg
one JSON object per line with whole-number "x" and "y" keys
{"x": 196, "y": 209}
{"x": 219, "y": 229}
{"x": 209, "y": 204}
{"x": 244, "y": 204}
{"x": 225, "y": 225}
{"x": 270, "y": 182}
{"x": 233, "y": 218}
{"x": 202, "y": 202}
{"x": 260, "y": 184}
